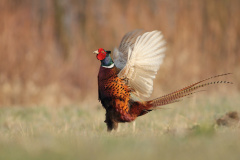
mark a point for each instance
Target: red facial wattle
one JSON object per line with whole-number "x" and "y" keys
{"x": 101, "y": 54}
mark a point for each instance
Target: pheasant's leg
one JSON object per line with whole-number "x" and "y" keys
{"x": 111, "y": 124}
{"x": 118, "y": 128}
{"x": 134, "y": 126}
{"x": 115, "y": 125}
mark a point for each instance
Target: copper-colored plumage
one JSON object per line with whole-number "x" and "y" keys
{"x": 114, "y": 95}
{"x": 121, "y": 84}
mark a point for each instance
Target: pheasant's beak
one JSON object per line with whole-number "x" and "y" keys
{"x": 96, "y": 52}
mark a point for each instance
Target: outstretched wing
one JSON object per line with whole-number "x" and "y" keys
{"x": 120, "y": 55}
{"x": 144, "y": 57}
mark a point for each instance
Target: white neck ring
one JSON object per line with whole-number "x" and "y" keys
{"x": 111, "y": 66}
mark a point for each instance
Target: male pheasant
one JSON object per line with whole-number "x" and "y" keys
{"x": 123, "y": 83}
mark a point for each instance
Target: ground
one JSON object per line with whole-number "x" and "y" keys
{"x": 185, "y": 130}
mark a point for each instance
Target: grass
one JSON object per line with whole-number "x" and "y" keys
{"x": 185, "y": 130}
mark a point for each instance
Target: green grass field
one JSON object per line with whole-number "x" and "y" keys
{"x": 182, "y": 131}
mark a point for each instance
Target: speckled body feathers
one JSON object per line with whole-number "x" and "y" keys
{"x": 124, "y": 81}
{"x": 114, "y": 95}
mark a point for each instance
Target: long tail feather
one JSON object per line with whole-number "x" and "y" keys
{"x": 186, "y": 91}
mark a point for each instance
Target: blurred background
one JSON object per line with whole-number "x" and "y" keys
{"x": 46, "y": 45}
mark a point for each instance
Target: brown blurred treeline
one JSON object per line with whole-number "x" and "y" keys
{"x": 46, "y": 45}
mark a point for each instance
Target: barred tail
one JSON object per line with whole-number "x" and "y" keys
{"x": 186, "y": 91}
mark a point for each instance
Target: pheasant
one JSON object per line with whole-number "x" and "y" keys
{"x": 125, "y": 80}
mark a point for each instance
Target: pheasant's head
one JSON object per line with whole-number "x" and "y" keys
{"x": 101, "y": 53}
{"x": 104, "y": 57}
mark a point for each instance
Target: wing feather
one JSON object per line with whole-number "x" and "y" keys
{"x": 120, "y": 55}
{"x": 139, "y": 57}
